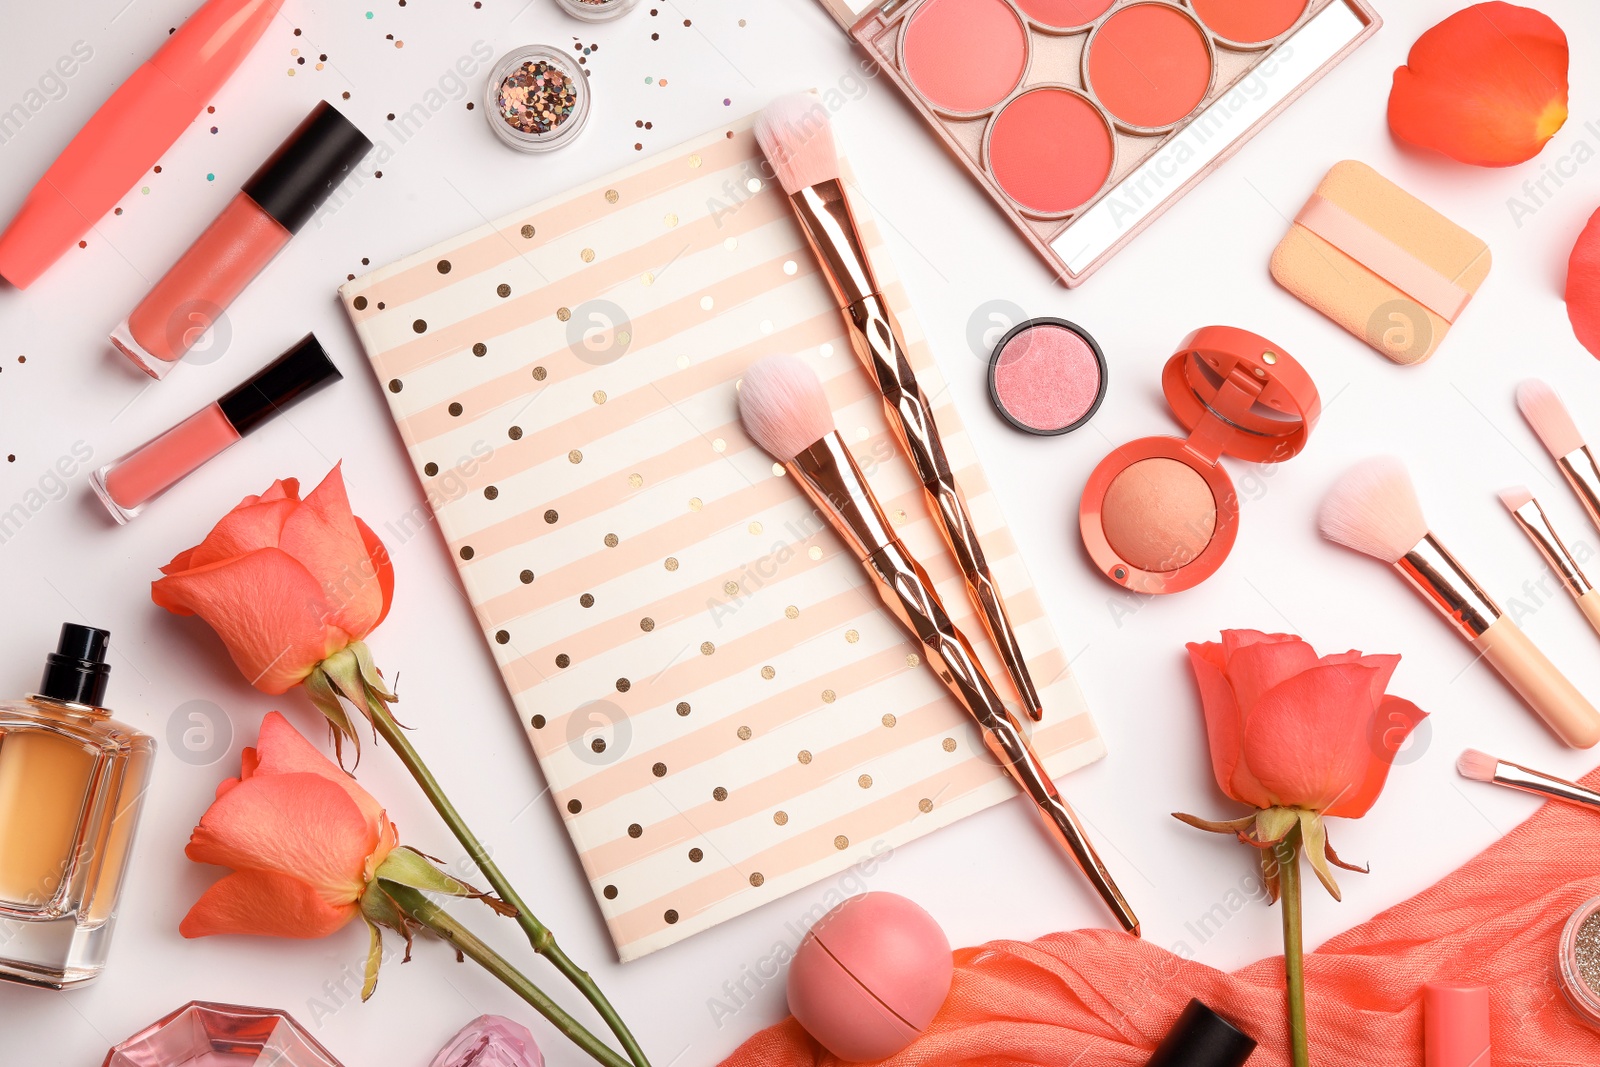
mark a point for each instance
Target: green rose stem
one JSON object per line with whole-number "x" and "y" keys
{"x": 1294, "y": 966}
{"x": 539, "y": 935}
{"x": 351, "y": 672}
{"x": 416, "y": 905}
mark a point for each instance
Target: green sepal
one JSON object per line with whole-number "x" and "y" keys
{"x": 319, "y": 687}
{"x": 408, "y": 867}
{"x": 369, "y": 980}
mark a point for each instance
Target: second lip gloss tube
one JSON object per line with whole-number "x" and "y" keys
{"x": 277, "y": 201}
{"x": 126, "y": 485}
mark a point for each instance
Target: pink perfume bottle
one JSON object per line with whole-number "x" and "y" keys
{"x": 221, "y": 1035}
{"x": 71, "y": 783}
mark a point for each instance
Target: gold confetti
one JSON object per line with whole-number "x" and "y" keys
{"x": 647, "y": 624}
{"x": 744, "y": 733}
{"x": 804, "y": 755}
{"x": 779, "y": 470}
{"x": 694, "y": 161}
{"x": 599, "y": 396}
{"x": 948, "y": 744}
{"x": 588, "y": 255}
{"x": 852, "y": 636}
{"x": 574, "y": 456}
{"x": 564, "y": 314}
{"x": 791, "y": 612}
{"x": 636, "y": 480}
{"x": 829, "y": 696}
{"x": 672, "y": 563}
{"x": 695, "y": 504}
{"x": 671, "y": 220}
{"x": 527, "y": 231}
{"x": 768, "y": 673}
{"x": 815, "y": 552}
{"x": 925, "y": 805}
{"x": 756, "y": 879}
{"x": 612, "y": 540}
{"x": 612, "y": 196}
{"x": 913, "y": 659}
{"x": 865, "y": 781}
{"x": 780, "y": 817}
{"x": 707, "y": 648}
{"x": 755, "y": 528}
{"x": 889, "y": 719}
{"x": 647, "y": 278}
{"x": 841, "y": 842}
{"x": 731, "y": 588}
{"x": 719, "y": 445}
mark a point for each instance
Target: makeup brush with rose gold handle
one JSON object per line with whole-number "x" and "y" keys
{"x": 785, "y": 411}
{"x": 1482, "y": 767}
{"x": 1532, "y": 520}
{"x": 1374, "y": 510}
{"x": 797, "y": 137}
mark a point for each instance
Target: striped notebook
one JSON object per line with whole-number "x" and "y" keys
{"x": 722, "y": 710}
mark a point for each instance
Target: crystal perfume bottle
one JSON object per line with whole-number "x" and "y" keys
{"x": 71, "y": 783}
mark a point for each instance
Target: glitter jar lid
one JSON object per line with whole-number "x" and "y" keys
{"x": 1578, "y": 961}
{"x": 596, "y": 10}
{"x": 536, "y": 99}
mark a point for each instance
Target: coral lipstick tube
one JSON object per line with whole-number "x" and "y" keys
{"x": 126, "y": 485}
{"x": 136, "y": 124}
{"x": 278, "y": 200}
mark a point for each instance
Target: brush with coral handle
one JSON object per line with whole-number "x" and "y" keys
{"x": 785, "y": 411}
{"x": 1560, "y": 436}
{"x": 1482, "y": 767}
{"x": 1532, "y": 520}
{"x": 797, "y": 137}
{"x": 1374, "y": 510}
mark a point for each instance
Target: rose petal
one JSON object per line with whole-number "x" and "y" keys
{"x": 267, "y": 610}
{"x": 243, "y": 529}
{"x": 382, "y": 566}
{"x": 1383, "y": 667}
{"x": 284, "y": 750}
{"x": 266, "y": 904}
{"x": 323, "y": 536}
{"x": 1583, "y": 286}
{"x": 1308, "y": 740}
{"x": 1258, "y": 666}
{"x": 302, "y": 825}
{"x": 1393, "y": 723}
{"x": 1486, "y": 86}
{"x": 1224, "y": 728}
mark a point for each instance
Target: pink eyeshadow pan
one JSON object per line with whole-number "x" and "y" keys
{"x": 1047, "y": 376}
{"x": 965, "y": 56}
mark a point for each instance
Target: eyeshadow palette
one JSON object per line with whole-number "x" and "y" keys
{"x": 1085, "y": 119}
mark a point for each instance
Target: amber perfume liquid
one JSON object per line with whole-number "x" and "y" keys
{"x": 72, "y": 781}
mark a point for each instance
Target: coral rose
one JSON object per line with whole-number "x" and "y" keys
{"x": 286, "y": 583}
{"x": 303, "y": 839}
{"x": 1486, "y": 86}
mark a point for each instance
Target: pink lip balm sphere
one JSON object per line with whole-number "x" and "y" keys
{"x": 870, "y": 976}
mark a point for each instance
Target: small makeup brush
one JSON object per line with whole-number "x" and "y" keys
{"x": 1536, "y": 524}
{"x": 785, "y": 411}
{"x": 797, "y": 137}
{"x": 1482, "y": 767}
{"x": 1553, "y": 423}
{"x": 1374, "y": 510}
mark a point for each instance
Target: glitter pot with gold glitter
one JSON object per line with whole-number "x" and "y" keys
{"x": 596, "y": 10}
{"x": 537, "y": 99}
{"x": 1578, "y": 961}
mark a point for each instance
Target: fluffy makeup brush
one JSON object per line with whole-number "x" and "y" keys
{"x": 797, "y": 137}
{"x": 1559, "y": 434}
{"x": 785, "y": 411}
{"x": 1374, "y": 510}
{"x": 1482, "y": 767}
{"x": 1532, "y": 520}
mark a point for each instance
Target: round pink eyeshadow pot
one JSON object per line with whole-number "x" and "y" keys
{"x": 1047, "y": 377}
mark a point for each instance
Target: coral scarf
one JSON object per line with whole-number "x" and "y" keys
{"x": 1093, "y": 998}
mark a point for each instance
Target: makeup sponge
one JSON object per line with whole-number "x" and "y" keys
{"x": 870, "y": 976}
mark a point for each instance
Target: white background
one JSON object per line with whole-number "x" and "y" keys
{"x": 993, "y": 876}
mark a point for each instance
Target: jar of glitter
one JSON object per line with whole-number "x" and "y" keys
{"x": 1578, "y": 961}
{"x": 537, "y": 98}
{"x": 596, "y": 10}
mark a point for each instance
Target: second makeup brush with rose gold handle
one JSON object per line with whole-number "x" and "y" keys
{"x": 1374, "y": 510}
{"x": 1532, "y": 520}
{"x": 785, "y": 411}
{"x": 797, "y": 138}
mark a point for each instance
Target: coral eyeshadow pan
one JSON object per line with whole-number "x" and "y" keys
{"x": 1149, "y": 65}
{"x": 1050, "y": 150}
{"x": 1249, "y": 21}
{"x": 965, "y": 55}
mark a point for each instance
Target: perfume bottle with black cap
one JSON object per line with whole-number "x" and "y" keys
{"x": 71, "y": 783}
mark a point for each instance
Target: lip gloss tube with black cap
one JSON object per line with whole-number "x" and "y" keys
{"x": 279, "y": 199}
{"x": 126, "y": 485}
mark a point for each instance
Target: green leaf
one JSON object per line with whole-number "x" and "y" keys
{"x": 320, "y": 689}
{"x": 1315, "y": 835}
{"x": 369, "y": 982}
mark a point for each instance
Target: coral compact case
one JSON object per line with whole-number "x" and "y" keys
{"x": 1160, "y": 515}
{"x": 1085, "y": 119}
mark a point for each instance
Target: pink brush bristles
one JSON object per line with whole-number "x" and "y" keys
{"x": 783, "y": 407}
{"x": 797, "y": 137}
{"x": 1479, "y": 766}
{"x": 1374, "y": 509}
{"x": 1549, "y": 418}
{"x": 1515, "y": 497}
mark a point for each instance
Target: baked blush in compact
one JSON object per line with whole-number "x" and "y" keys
{"x": 1085, "y": 119}
{"x": 1160, "y": 515}
{"x": 1047, "y": 376}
